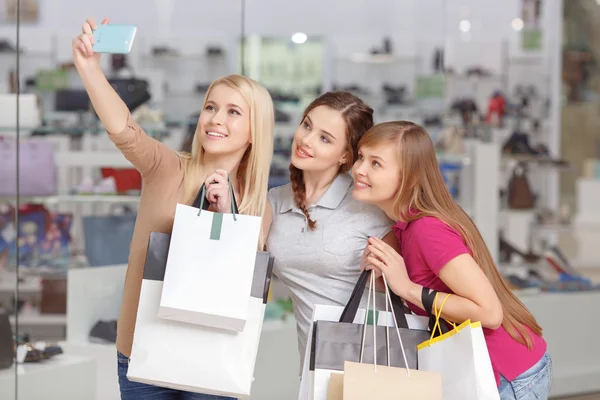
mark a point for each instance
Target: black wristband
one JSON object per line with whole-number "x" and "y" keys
{"x": 427, "y": 298}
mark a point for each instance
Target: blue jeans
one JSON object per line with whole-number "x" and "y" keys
{"x": 532, "y": 384}
{"x": 141, "y": 391}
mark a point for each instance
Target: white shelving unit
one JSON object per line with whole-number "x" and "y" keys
{"x": 62, "y": 377}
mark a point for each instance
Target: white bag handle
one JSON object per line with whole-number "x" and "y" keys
{"x": 388, "y": 302}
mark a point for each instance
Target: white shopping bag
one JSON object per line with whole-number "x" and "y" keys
{"x": 461, "y": 357}
{"x": 190, "y": 357}
{"x": 209, "y": 268}
{"x": 315, "y": 381}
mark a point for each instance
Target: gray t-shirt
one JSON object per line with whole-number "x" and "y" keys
{"x": 321, "y": 266}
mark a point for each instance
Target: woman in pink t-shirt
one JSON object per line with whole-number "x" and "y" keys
{"x": 442, "y": 251}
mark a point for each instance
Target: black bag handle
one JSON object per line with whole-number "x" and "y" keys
{"x": 351, "y": 308}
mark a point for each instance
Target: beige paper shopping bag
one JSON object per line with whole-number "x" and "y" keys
{"x": 367, "y": 382}
{"x": 364, "y": 381}
{"x": 335, "y": 390}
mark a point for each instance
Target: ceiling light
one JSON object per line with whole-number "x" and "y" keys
{"x": 299, "y": 37}
{"x": 517, "y": 23}
{"x": 465, "y": 26}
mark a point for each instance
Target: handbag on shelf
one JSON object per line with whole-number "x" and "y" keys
{"x": 133, "y": 91}
{"x": 54, "y": 296}
{"x": 520, "y": 196}
{"x": 108, "y": 237}
{"x": 7, "y": 354}
{"x": 127, "y": 179}
{"x": 37, "y": 168}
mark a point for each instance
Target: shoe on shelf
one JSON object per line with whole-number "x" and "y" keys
{"x": 451, "y": 141}
{"x": 557, "y": 260}
{"x": 104, "y": 332}
{"x": 507, "y": 250}
{"x": 477, "y": 71}
{"x": 106, "y": 186}
{"x": 214, "y": 51}
{"x": 522, "y": 283}
{"x": 147, "y": 115}
{"x": 547, "y": 217}
{"x": 164, "y": 51}
{"x": 85, "y": 187}
{"x": 518, "y": 143}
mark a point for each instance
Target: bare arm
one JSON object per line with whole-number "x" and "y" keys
{"x": 474, "y": 297}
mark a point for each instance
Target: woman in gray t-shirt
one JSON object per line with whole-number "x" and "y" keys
{"x": 318, "y": 231}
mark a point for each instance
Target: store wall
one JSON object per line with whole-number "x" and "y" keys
{"x": 580, "y": 116}
{"x": 356, "y": 21}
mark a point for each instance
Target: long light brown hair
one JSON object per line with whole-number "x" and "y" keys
{"x": 423, "y": 193}
{"x": 358, "y": 117}
{"x": 253, "y": 170}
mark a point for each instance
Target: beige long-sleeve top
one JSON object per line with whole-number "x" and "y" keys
{"x": 162, "y": 172}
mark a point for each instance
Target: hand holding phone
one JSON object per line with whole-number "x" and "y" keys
{"x": 83, "y": 54}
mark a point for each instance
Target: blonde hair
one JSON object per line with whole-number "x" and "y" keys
{"x": 253, "y": 170}
{"x": 423, "y": 193}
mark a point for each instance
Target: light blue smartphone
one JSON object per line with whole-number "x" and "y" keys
{"x": 114, "y": 38}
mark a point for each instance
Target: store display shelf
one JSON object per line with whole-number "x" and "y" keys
{"x": 535, "y": 58}
{"x": 538, "y": 161}
{"x": 176, "y": 56}
{"x": 376, "y": 58}
{"x": 552, "y": 228}
{"x": 527, "y": 292}
{"x": 62, "y": 377}
{"x": 454, "y": 158}
{"x": 77, "y": 198}
{"x": 474, "y": 77}
{"x": 105, "y": 358}
{"x": 39, "y": 319}
{"x": 24, "y": 288}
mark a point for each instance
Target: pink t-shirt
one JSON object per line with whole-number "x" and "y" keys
{"x": 427, "y": 245}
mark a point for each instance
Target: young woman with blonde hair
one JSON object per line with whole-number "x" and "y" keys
{"x": 234, "y": 137}
{"x": 441, "y": 250}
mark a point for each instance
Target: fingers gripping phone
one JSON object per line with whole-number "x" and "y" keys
{"x": 114, "y": 38}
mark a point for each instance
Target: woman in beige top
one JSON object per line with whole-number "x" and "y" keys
{"x": 234, "y": 135}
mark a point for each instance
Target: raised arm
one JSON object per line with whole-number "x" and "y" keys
{"x": 111, "y": 110}
{"x": 145, "y": 153}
